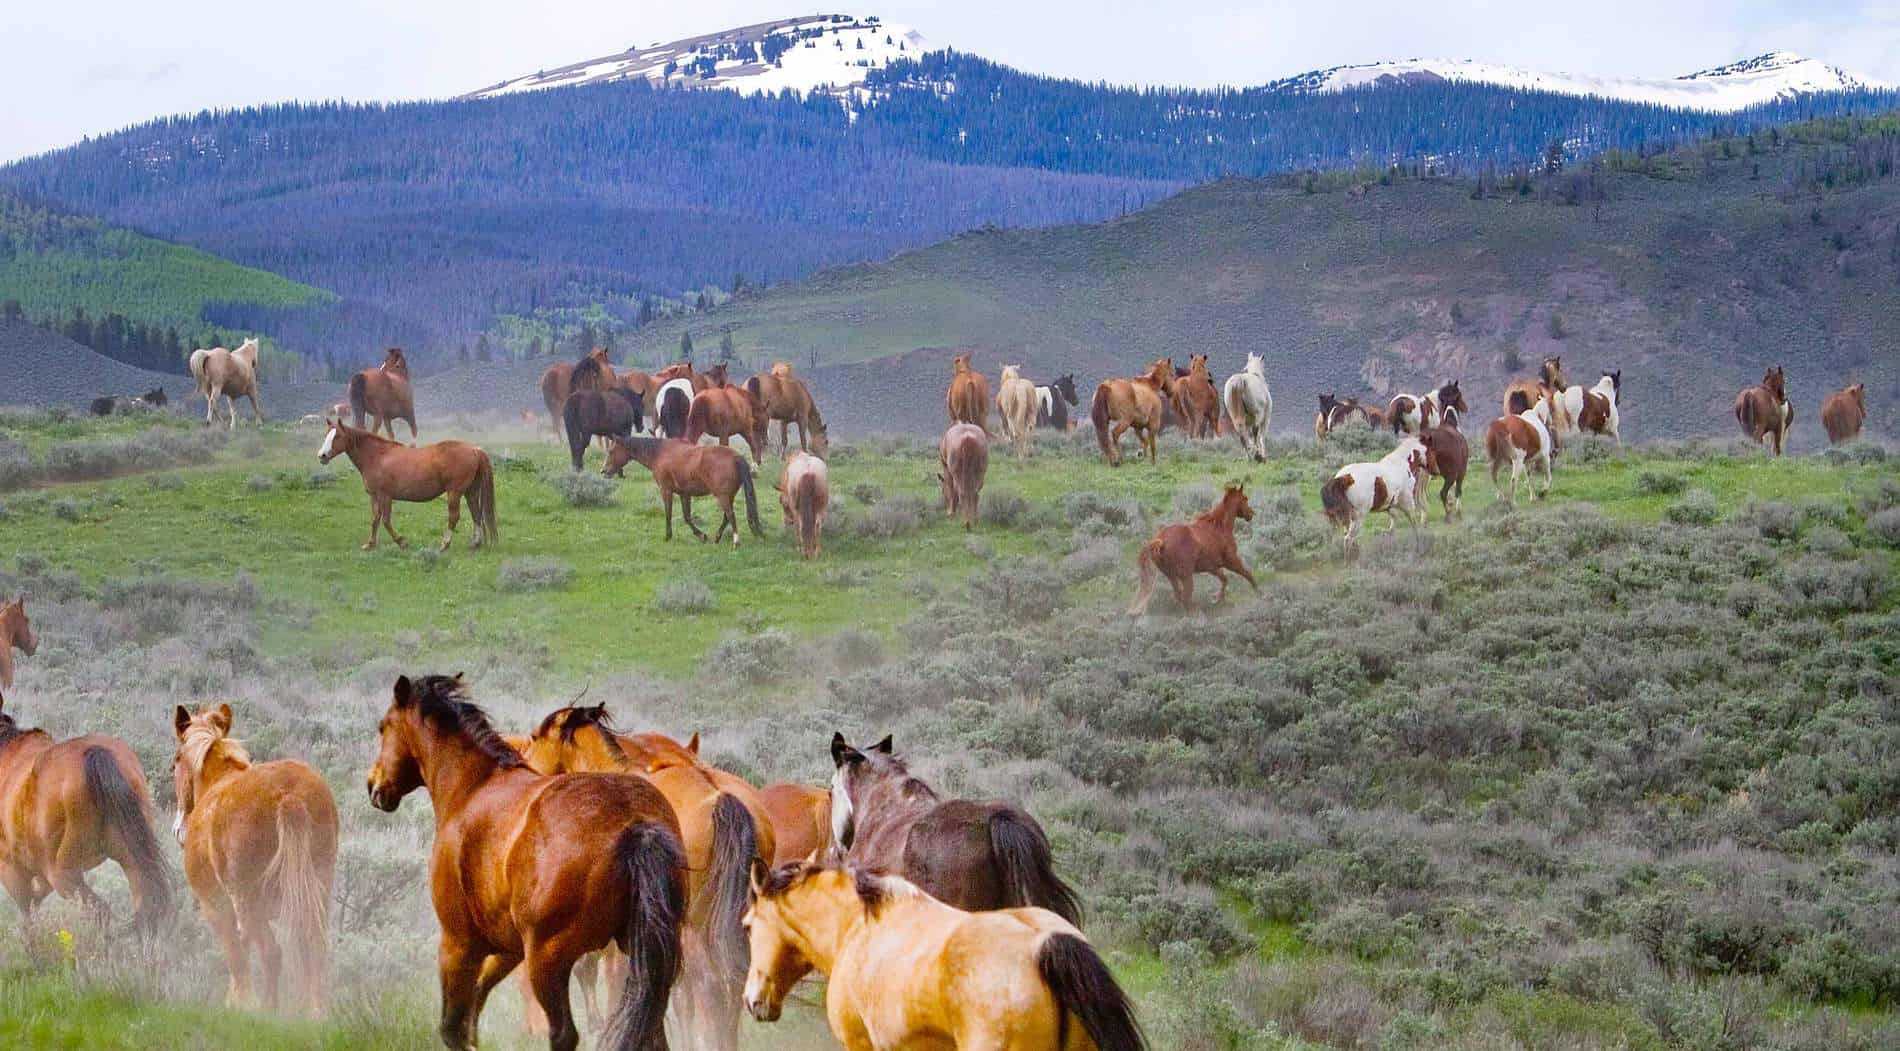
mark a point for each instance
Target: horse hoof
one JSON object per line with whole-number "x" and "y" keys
{"x": 368, "y": 547}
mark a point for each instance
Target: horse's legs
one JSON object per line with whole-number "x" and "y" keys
{"x": 548, "y": 972}
{"x": 221, "y": 917}
{"x": 1220, "y": 574}
{"x": 389, "y": 525}
{"x": 686, "y": 515}
{"x": 375, "y": 519}
{"x": 254, "y": 921}
{"x": 257, "y": 411}
{"x": 21, "y": 887}
{"x": 411, "y": 421}
{"x": 1183, "y": 590}
{"x": 1115, "y": 442}
{"x": 1148, "y": 443}
{"x": 69, "y": 882}
{"x": 455, "y": 516}
{"x": 495, "y": 970}
{"x": 460, "y": 967}
{"x": 1546, "y": 474}
{"x": 666, "y": 498}
{"x": 1231, "y": 560}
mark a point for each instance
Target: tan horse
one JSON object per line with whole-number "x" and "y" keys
{"x": 1195, "y": 400}
{"x": 800, "y": 816}
{"x": 392, "y": 471}
{"x": 1131, "y": 403}
{"x": 557, "y": 382}
{"x": 1016, "y": 404}
{"x": 1844, "y": 412}
{"x": 229, "y": 374}
{"x": 963, "y": 459}
{"x": 384, "y": 395}
{"x": 1205, "y": 545}
{"x": 906, "y": 971}
{"x": 685, "y": 470}
{"x": 968, "y": 400}
{"x": 16, "y": 632}
{"x": 804, "y": 491}
{"x": 1764, "y": 410}
{"x": 725, "y": 413}
{"x": 260, "y": 846}
{"x": 788, "y": 401}
{"x": 1520, "y": 394}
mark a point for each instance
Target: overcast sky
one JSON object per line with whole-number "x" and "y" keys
{"x": 70, "y": 68}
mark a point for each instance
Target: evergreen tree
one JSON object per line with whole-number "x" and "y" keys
{"x": 726, "y": 347}
{"x": 686, "y": 346}
{"x": 482, "y": 351}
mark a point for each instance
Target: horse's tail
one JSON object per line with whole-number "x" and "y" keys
{"x": 1497, "y": 446}
{"x": 805, "y": 500}
{"x": 303, "y": 897}
{"x": 1516, "y": 401}
{"x": 484, "y": 499}
{"x": 728, "y": 890}
{"x": 1084, "y": 988}
{"x": 1145, "y": 564}
{"x": 123, "y": 812}
{"x": 1098, "y": 415}
{"x": 359, "y": 398}
{"x": 751, "y": 499}
{"x": 577, "y": 436}
{"x": 1396, "y": 417}
{"x": 1332, "y": 499}
{"x": 752, "y": 387}
{"x": 651, "y": 938}
{"x": 1023, "y": 862}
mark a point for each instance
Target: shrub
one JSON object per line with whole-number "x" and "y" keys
{"x": 1194, "y": 498}
{"x": 1831, "y": 967}
{"x": 1772, "y": 519}
{"x": 16, "y": 465}
{"x": 1697, "y": 507}
{"x": 1832, "y": 587}
{"x": 684, "y": 597}
{"x": 752, "y": 658}
{"x": 583, "y": 489}
{"x": 1099, "y": 515}
{"x": 67, "y": 509}
{"x": 533, "y": 573}
{"x": 866, "y": 493}
{"x": 1097, "y": 557}
{"x": 854, "y": 648}
{"x": 1005, "y": 509}
{"x": 1885, "y": 524}
{"x": 893, "y": 516}
{"x": 260, "y": 483}
{"x": 1658, "y": 483}
{"x": 1017, "y": 590}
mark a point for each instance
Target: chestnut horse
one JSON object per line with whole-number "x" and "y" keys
{"x": 1521, "y": 394}
{"x": 963, "y": 458}
{"x": 969, "y": 853}
{"x": 800, "y": 816}
{"x": 804, "y": 491}
{"x": 968, "y": 400}
{"x": 68, "y": 807}
{"x": 1392, "y": 484}
{"x": 1195, "y": 400}
{"x": 16, "y": 632}
{"x": 1205, "y": 545}
{"x": 384, "y": 395}
{"x": 533, "y": 868}
{"x": 1524, "y": 442}
{"x": 726, "y": 413}
{"x": 1447, "y": 456}
{"x": 1132, "y": 403}
{"x": 229, "y": 374}
{"x": 1843, "y": 413}
{"x": 559, "y": 381}
{"x": 691, "y": 470}
{"x": 788, "y": 401}
{"x": 905, "y": 970}
{"x": 260, "y": 845}
{"x": 1764, "y": 410}
{"x": 392, "y": 471}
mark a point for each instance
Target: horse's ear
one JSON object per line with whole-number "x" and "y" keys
{"x": 841, "y": 752}
{"x": 753, "y": 875}
{"x": 692, "y": 745}
{"x": 181, "y": 720}
{"x": 222, "y": 717}
{"x": 883, "y": 746}
{"x": 405, "y": 690}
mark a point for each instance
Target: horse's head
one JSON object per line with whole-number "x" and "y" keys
{"x": 1858, "y": 392}
{"x": 782, "y": 369}
{"x": 1065, "y": 383}
{"x": 1162, "y": 375}
{"x": 1235, "y": 498}
{"x": 567, "y": 739}
{"x": 337, "y": 441}
{"x": 247, "y": 351}
{"x": 1777, "y": 381}
{"x": 1256, "y": 364}
{"x": 1328, "y": 402}
{"x": 1197, "y": 365}
{"x": 393, "y": 361}
{"x": 1450, "y": 397}
{"x": 857, "y": 769}
{"x": 960, "y": 364}
{"x": 18, "y": 629}
{"x": 619, "y": 455}
{"x": 820, "y": 437}
{"x": 717, "y": 375}
{"x": 203, "y": 746}
{"x": 600, "y": 356}
{"x": 424, "y": 715}
{"x": 780, "y": 900}
{"x": 1552, "y": 372}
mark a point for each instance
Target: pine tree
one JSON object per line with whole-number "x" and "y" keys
{"x": 726, "y": 348}
{"x": 686, "y": 346}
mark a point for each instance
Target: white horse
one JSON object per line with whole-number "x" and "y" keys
{"x": 1524, "y": 442}
{"x": 1016, "y": 403}
{"x": 218, "y": 372}
{"x": 1394, "y": 484}
{"x": 1250, "y": 406}
{"x": 1596, "y": 410}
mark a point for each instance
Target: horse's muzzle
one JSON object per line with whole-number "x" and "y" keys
{"x": 762, "y": 1011}
{"x": 382, "y": 799}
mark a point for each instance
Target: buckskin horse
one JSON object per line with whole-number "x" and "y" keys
{"x": 788, "y": 401}
{"x": 968, "y": 400}
{"x": 1843, "y": 413}
{"x": 687, "y": 470}
{"x": 1250, "y": 406}
{"x": 1392, "y": 484}
{"x": 16, "y": 632}
{"x": 259, "y": 842}
{"x": 384, "y": 395}
{"x": 229, "y": 374}
{"x": 535, "y": 869}
{"x": 392, "y": 471}
{"x": 804, "y": 491}
{"x": 559, "y": 380}
{"x": 905, "y": 970}
{"x": 1764, "y": 410}
{"x": 963, "y": 459}
{"x": 1205, "y": 545}
{"x": 1135, "y": 403}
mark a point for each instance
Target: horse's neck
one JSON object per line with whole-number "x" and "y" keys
{"x": 893, "y": 801}
{"x": 455, "y": 768}
{"x": 826, "y": 924}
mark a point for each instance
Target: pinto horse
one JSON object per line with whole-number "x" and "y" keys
{"x": 564, "y": 378}
{"x": 1336, "y": 412}
{"x": 384, "y": 395}
{"x": 1195, "y": 400}
{"x": 969, "y": 853}
{"x": 1596, "y": 410}
{"x": 804, "y": 491}
{"x": 1054, "y": 402}
{"x": 1135, "y": 403}
{"x": 726, "y": 413}
{"x": 968, "y": 400}
{"x": 392, "y": 471}
{"x": 905, "y": 970}
{"x": 963, "y": 459}
{"x": 1409, "y": 414}
{"x": 228, "y": 374}
{"x": 788, "y": 401}
{"x": 67, "y": 808}
{"x": 1392, "y": 484}
{"x": 613, "y": 413}
{"x": 535, "y": 869}
{"x": 670, "y": 406}
{"x": 687, "y": 470}
{"x": 1524, "y": 442}
{"x": 1447, "y": 456}
{"x": 16, "y": 632}
{"x": 1205, "y": 545}
{"x": 1520, "y": 394}
{"x": 260, "y": 845}
{"x": 1016, "y": 405}
{"x": 1844, "y": 412}
{"x": 1249, "y": 405}
{"x": 1764, "y": 410}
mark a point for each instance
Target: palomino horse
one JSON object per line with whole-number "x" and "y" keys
{"x": 1205, "y": 545}
{"x": 1844, "y": 412}
{"x": 384, "y": 395}
{"x": 1409, "y": 414}
{"x": 689, "y": 470}
{"x": 16, "y": 632}
{"x": 531, "y": 868}
{"x": 1393, "y": 484}
{"x": 1054, "y": 402}
{"x": 804, "y": 491}
{"x": 1195, "y": 400}
{"x": 800, "y": 816}
{"x": 1764, "y": 410}
{"x": 392, "y": 471}
{"x": 1524, "y": 442}
{"x": 905, "y": 970}
{"x": 1131, "y": 403}
{"x": 1250, "y": 406}
{"x": 1016, "y": 404}
{"x": 218, "y": 372}
{"x": 614, "y": 413}
{"x": 972, "y": 854}
{"x": 1595, "y": 410}
{"x": 68, "y": 807}
{"x": 725, "y": 831}
{"x": 963, "y": 458}
{"x": 968, "y": 400}
{"x": 670, "y": 406}
{"x": 1521, "y": 394}
{"x": 1447, "y": 456}
{"x": 788, "y": 401}
{"x": 559, "y": 381}
{"x": 260, "y": 845}
{"x": 727, "y": 412}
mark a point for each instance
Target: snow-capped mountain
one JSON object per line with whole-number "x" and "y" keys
{"x": 827, "y": 53}
{"x": 1775, "y": 75}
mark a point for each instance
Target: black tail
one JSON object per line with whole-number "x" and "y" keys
{"x": 1082, "y": 986}
{"x": 359, "y": 399}
{"x": 751, "y": 500}
{"x": 1332, "y": 497}
{"x": 578, "y": 434}
{"x": 130, "y": 842}
{"x": 1022, "y": 858}
{"x": 651, "y": 939}
{"x": 1515, "y": 402}
{"x": 728, "y": 888}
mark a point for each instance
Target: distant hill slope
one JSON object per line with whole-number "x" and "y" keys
{"x": 40, "y": 368}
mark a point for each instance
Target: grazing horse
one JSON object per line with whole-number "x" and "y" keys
{"x": 1054, "y": 402}
{"x": 1016, "y": 405}
{"x": 1524, "y": 442}
{"x": 384, "y": 395}
{"x": 972, "y": 854}
{"x": 1843, "y": 413}
{"x": 260, "y": 845}
{"x": 613, "y": 413}
{"x": 564, "y": 378}
{"x": 904, "y": 970}
{"x": 1195, "y": 399}
{"x": 153, "y": 399}
{"x": 691, "y": 470}
{"x": 1596, "y": 410}
{"x": 392, "y": 471}
{"x": 218, "y": 372}
{"x": 1250, "y": 406}
{"x": 1764, "y": 410}
{"x": 1409, "y": 414}
{"x": 532, "y": 868}
{"x": 1520, "y": 394}
{"x": 1131, "y": 403}
{"x": 963, "y": 458}
{"x": 671, "y": 405}
{"x": 1447, "y": 455}
{"x": 804, "y": 491}
{"x": 1393, "y": 484}
{"x": 1205, "y": 545}
{"x": 968, "y": 399}
{"x": 65, "y": 809}
{"x": 16, "y": 632}
{"x": 800, "y": 816}
{"x": 788, "y": 401}
{"x": 725, "y": 413}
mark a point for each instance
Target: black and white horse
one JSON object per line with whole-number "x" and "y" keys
{"x": 670, "y": 407}
{"x": 1053, "y": 401}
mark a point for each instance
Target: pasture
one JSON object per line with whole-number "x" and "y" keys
{"x": 1610, "y": 770}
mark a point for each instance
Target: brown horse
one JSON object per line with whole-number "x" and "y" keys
{"x": 260, "y": 845}
{"x": 788, "y": 401}
{"x": 560, "y": 380}
{"x": 1764, "y": 410}
{"x": 384, "y": 394}
{"x": 963, "y": 458}
{"x": 1447, "y": 455}
{"x": 1195, "y": 400}
{"x": 229, "y": 374}
{"x": 1844, "y": 412}
{"x": 16, "y": 632}
{"x": 533, "y": 868}
{"x": 727, "y": 413}
{"x": 1336, "y": 412}
{"x": 804, "y": 491}
{"x": 1522, "y": 393}
{"x": 1524, "y": 442}
{"x": 690, "y": 470}
{"x": 68, "y": 807}
{"x": 800, "y": 816}
{"x": 1205, "y": 545}
{"x": 971, "y": 854}
{"x": 1132, "y": 403}
{"x": 392, "y": 471}
{"x": 615, "y": 412}
{"x": 968, "y": 400}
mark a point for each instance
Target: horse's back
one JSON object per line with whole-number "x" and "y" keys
{"x": 245, "y": 812}
{"x": 949, "y": 854}
{"x": 801, "y": 820}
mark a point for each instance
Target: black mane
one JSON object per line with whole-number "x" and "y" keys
{"x": 443, "y": 700}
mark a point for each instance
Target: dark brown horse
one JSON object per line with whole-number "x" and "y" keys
{"x": 1205, "y": 545}
{"x": 534, "y": 869}
{"x": 688, "y": 470}
{"x": 968, "y": 400}
{"x": 384, "y": 395}
{"x": 16, "y": 632}
{"x": 560, "y": 380}
{"x": 1195, "y": 400}
{"x": 1137, "y": 403}
{"x": 1764, "y": 410}
{"x": 1447, "y": 455}
{"x": 963, "y": 458}
{"x": 612, "y": 413}
{"x": 788, "y": 401}
{"x": 727, "y": 412}
{"x": 971, "y": 854}
{"x": 392, "y": 471}
{"x": 1844, "y": 412}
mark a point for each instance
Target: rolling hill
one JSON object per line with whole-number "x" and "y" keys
{"x": 45, "y": 368}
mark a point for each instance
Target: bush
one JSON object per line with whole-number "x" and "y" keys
{"x": 1004, "y": 508}
{"x": 752, "y": 658}
{"x": 1097, "y": 557}
{"x": 684, "y": 597}
{"x": 533, "y": 573}
{"x": 866, "y": 493}
{"x": 1658, "y": 483}
{"x": 583, "y": 489}
{"x": 1098, "y": 515}
{"x": 1772, "y": 519}
{"x": 1886, "y": 525}
{"x": 854, "y": 648}
{"x": 260, "y": 483}
{"x": 891, "y": 517}
{"x": 1695, "y": 508}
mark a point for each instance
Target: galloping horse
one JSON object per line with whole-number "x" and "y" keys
{"x": 68, "y": 807}
{"x": 968, "y": 400}
{"x": 804, "y": 491}
{"x": 218, "y": 372}
{"x": 691, "y": 470}
{"x": 1016, "y": 404}
{"x": 1393, "y": 483}
{"x": 16, "y": 632}
{"x": 726, "y": 413}
{"x": 392, "y": 471}
{"x": 560, "y": 380}
{"x": 800, "y": 816}
{"x": 614, "y": 413}
{"x": 384, "y": 395}
{"x": 1195, "y": 400}
{"x": 533, "y": 868}
{"x": 1764, "y": 410}
{"x": 1054, "y": 402}
{"x": 1409, "y": 414}
{"x": 260, "y": 845}
{"x": 1597, "y": 409}
{"x": 963, "y": 458}
{"x": 1205, "y": 545}
{"x": 904, "y": 970}
{"x": 1523, "y": 441}
{"x": 1521, "y": 394}
{"x": 1131, "y": 403}
{"x": 1250, "y": 406}
{"x": 1447, "y": 456}
{"x": 1843, "y": 413}
{"x": 971, "y": 854}
{"x": 788, "y": 401}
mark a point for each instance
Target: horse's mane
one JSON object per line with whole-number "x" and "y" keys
{"x": 894, "y": 767}
{"x": 588, "y": 366}
{"x": 875, "y": 888}
{"x": 10, "y": 731}
{"x": 570, "y": 721}
{"x": 201, "y": 739}
{"x": 443, "y": 701}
